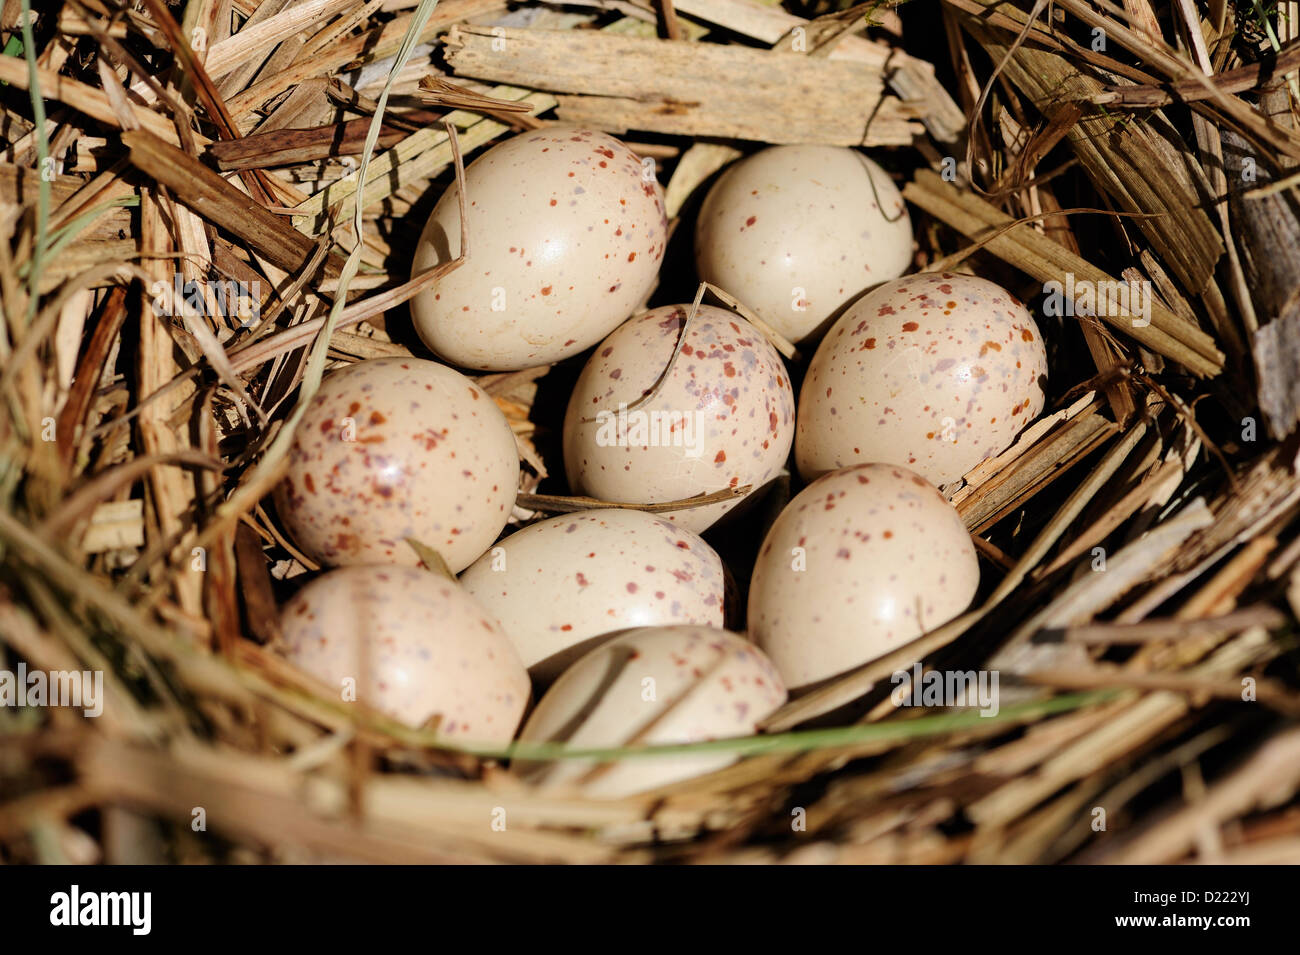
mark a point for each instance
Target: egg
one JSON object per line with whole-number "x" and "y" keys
{"x": 935, "y": 371}
{"x": 653, "y": 686}
{"x": 863, "y": 560}
{"x": 410, "y": 644}
{"x": 723, "y": 415}
{"x": 559, "y": 586}
{"x": 397, "y": 448}
{"x": 796, "y": 232}
{"x": 566, "y": 233}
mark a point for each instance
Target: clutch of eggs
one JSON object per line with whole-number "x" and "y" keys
{"x": 621, "y": 611}
{"x": 649, "y": 423}
{"x": 797, "y": 232}
{"x": 566, "y": 233}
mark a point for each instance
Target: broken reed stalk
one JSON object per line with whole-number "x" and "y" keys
{"x": 208, "y": 195}
{"x": 689, "y": 89}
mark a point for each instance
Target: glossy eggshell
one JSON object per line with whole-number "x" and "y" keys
{"x": 935, "y": 371}
{"x": 560, "y": 585}
{"x": 860, "y": 562}
{"x": 393, "y": 448}
{"x": 413, "y": 645}
{"x": 565, "y": 239}
{"x": 728, "y": 396}
{"x": 797, "y": 232}
{"x": 655, "y": 686}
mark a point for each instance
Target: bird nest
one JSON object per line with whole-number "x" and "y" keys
{"x": 1138, "y": 542}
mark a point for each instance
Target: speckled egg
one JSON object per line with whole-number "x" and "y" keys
{"x": 723, "y": 416}
{"x": 654, "y": 686}
{"x": 797, "y": 232}
{"x": 935, "y": 371}
{"x": 559, "y": 586}
{"x": 566, "y": 233}
{"x": 410, "y": 644}
{"x": 860, "y": 562}
{"x": 393, "y": 448}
